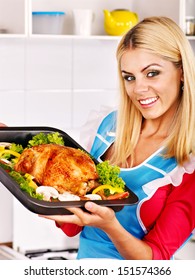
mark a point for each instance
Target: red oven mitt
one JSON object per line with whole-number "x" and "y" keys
{"x": 70, "y": 229}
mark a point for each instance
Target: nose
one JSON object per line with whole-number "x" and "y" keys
{"x": 140, "y": 86}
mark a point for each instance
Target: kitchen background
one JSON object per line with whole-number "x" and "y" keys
{"x": 63, "y": 81}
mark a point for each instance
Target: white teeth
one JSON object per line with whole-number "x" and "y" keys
{"x": 148, "y": 101}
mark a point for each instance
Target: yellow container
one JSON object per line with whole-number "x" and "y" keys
{"x": 118, "y": 22}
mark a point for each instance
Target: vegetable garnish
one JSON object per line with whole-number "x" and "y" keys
{"x": 42, "y": 138}
{"x": 109, "y": 175}
{"x": 118, "y": 196}
{"x": 5, "y": 166}
{"x": 112, "y": 184}
{"x": 29, "y": 178}
{"x": 24, "y": 184}
{"x": 13, "y": 150}
{"x": 10, "y": 152}
{"x": 108, "y": 187}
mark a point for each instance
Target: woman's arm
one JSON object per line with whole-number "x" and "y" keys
{"x": 176, "y": 222}
{"x": 170, "y": 231}
{"x": 105, "y": 219}
{"x": 128, "y": 246}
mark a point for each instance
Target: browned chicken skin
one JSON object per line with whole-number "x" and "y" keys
{"x": 65, "y": 168}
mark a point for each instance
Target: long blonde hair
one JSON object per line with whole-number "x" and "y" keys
{"x": 161, "y": 36}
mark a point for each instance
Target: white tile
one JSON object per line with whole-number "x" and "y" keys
{"x": 49, "y": 64}
{"x": 48, "y": 108}
{"x": 12, "y": 108}
{"x": 94, "y": 64}
{"x": 73, "y": 133}
{"x": 12, "y": 64}
{"x": 187, "y": 252}
{"x": 39, "y": 233}
{"x": 85, "y": 102}
{"x": 6, "y": 213}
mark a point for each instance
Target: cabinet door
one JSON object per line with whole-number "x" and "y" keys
{"x": 13, "y": 17}
{"x": 187, "y": 11}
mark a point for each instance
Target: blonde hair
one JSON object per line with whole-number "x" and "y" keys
{"x": 163, "y": 37}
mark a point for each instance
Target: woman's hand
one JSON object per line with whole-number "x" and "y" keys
{"x": 97, "y": 216}
{"x": 104, "y": 218}
{"x": 2, "y": 124}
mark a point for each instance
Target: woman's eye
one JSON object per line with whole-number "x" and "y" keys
{"x": 128, "y": 78}
{"x": 152, "y": 73}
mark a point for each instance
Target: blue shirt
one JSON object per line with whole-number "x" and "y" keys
{"x": 94, "y": 243}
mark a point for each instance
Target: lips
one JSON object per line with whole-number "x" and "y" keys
{"x": 148, "y": 101}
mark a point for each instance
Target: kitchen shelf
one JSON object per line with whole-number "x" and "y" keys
{"x": 14, "y": 36}
{"x": 76, "y": 37}
{"x": 191, "y": 38}
{"x": 19, "y": 24}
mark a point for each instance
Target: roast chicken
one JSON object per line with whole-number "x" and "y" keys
{"x": 64, "y": 168}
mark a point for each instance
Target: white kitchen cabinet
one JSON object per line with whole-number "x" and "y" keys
{"x": 97, "y": 6}
{"x": 16, "y": 15}
{"x": 152, "y": 7}
{"x": 187, "y": 8}
{"x": 13, "y": 18}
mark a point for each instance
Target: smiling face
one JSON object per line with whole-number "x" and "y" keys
{"x": 152, "y": 83}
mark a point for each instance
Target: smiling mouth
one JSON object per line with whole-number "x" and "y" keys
{"x": 148, "y": 101}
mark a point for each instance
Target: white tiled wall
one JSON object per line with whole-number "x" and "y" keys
{"x": 94, "y": 64}
{"x": 12, "y": 107}
{"x": 51, "y": 82}
{"x": 55, "y": 82}
{"x": 48, "y": 64}
{"x": 6, "y": 215}
{"x": 12, "y": 64}
{"x": 86, "y": 101}
{"x": 48, "y": 108}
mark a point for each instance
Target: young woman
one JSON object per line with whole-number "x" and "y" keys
{"x": 154, "y": 145}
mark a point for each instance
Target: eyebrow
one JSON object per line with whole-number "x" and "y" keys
{"x": 152, "y": 64}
